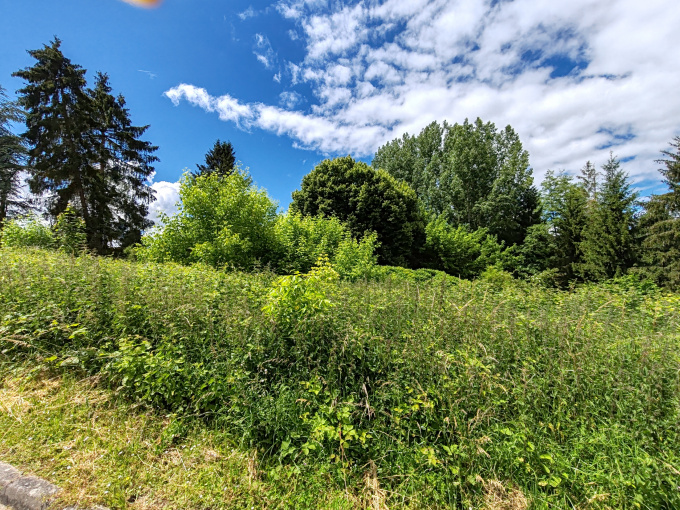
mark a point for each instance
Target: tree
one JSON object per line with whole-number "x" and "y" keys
{"x": 564, "y": 205}
{"x": 221, "y": 159}
{"x": 12, "y": 152}
{"x": 608, "y": 245}
{"x": 367, "y": 200}
{"x": 470, "y": 173}
{"x": 660, "y": 225}
{"x": 120, "y": 203}
{"x": 222, "y": 221}
{"x": 83, "y": 150}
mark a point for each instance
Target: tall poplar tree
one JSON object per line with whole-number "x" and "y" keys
{"x": 471, "y": 174}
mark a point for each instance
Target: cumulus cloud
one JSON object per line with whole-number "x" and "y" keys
{"x": 167, "y": 196}
{"x": 575, "y": 79}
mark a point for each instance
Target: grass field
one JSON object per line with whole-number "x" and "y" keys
{"x": 246, "y": 390}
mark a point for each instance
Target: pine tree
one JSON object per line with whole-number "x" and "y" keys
{"x": 221, "y": 159}
{"x": 12, "y": 153}
{"x": 588, "y": 178}
{"x": 84, "y": 151}
{"x": 609, "y": 247}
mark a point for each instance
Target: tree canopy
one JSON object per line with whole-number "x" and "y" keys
{"x": 12, "y": 152}
{"x": 471, "y": 173}
{"x": 367, "y": 200}
{"x": 221, "y": 159}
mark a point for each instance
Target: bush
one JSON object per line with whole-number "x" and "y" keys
{"x": 458, "y": 251}
{"x": 222, "y": 221}
{"x": 26, "y": 232}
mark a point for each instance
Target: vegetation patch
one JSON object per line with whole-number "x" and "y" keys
{"x": 398, "y": 393}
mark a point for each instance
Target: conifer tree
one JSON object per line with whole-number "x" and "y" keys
{"x": 12, "y": 153}
{"x": 120, "y": 203}
{"x": 221, "y": 159}
{"x": 84, "y": 151}
{"x": 609, "y": 247}
{"x": 56, "y": 117}
{"x": 661, "y": 225}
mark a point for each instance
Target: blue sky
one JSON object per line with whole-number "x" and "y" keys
{"x": 290, "y": 82}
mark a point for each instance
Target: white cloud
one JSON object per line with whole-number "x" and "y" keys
{"x": 378, "y": 69}
{"x": 167, "y": 196}
{"x": 290, "y": 100}
{"x": 264, "y": 52}
{"x": 248, "y": 13}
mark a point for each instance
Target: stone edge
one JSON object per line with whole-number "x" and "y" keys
{"x": 20, "y": 492}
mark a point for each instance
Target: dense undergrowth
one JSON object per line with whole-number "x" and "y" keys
{"x": 437, "y": 387}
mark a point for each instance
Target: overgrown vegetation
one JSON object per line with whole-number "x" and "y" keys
{"x": 435, "y": 390}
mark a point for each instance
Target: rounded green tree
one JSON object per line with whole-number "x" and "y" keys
{"x": 367, "y": 200}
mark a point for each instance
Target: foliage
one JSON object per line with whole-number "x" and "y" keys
{"x": 470, "y": 173}
{"x": 26, "y": 232}
{"x": 660, "y": 226}
{"x": 222, "y": 221}
{"x": 443, "y": 385}
{"x": 221, "y": 159}
{"x": 69, "y": 232}
{"x": 120, "y": 202}
{"x": 458, "y": 251}
{"x": 366, "y": 200}
{"x": 83, "y": 150}
{"x": 565, "y": 211}
{"x": 608, "y": 245}
{"x": 12, "y": 152}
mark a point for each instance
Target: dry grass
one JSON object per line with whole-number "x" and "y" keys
{"x": 499, "y": 497}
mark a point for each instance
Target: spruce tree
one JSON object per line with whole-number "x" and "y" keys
{"x": 661, "y": 225}
{"x": 121, "y": 201}
{"x": 84, "y": 151}
{"x": 221, "y": 159}
{"x": 56, "y": 107}
{"x": 12, "y": 153}
{"x": 609, "y": 247}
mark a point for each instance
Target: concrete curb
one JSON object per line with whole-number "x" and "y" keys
{"x": 26, "y": 492}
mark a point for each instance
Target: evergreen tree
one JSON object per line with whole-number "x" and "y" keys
{"x": 12, "y": 153}
{"x": 56, "y": 107}
{"x": 588, "y": 178}
{"x": 221, "y": 159}
{"x": 84, "y": 152}
{"x": 661, "y": 225}
{"x": 608, "y": 246}
{"x": 120, "y": 201}
{"x": 565, "y": 211}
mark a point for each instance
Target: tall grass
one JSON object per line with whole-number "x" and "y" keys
{"x": 435, "y": 391}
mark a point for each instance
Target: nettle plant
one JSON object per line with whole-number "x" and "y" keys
{"x": 297, "y": 299}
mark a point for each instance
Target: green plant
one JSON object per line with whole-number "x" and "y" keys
{"x": 26, "y": 232}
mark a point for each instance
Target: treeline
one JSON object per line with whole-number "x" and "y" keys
{"x": 456, "y": 198}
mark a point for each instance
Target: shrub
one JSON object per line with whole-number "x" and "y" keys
{"x": 26, "y": 232}
{"x": 222, "y": 221}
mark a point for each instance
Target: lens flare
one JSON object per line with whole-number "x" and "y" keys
{"x": 144, "y": 3}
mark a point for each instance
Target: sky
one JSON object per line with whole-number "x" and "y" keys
{"x": 292, "y": 82}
